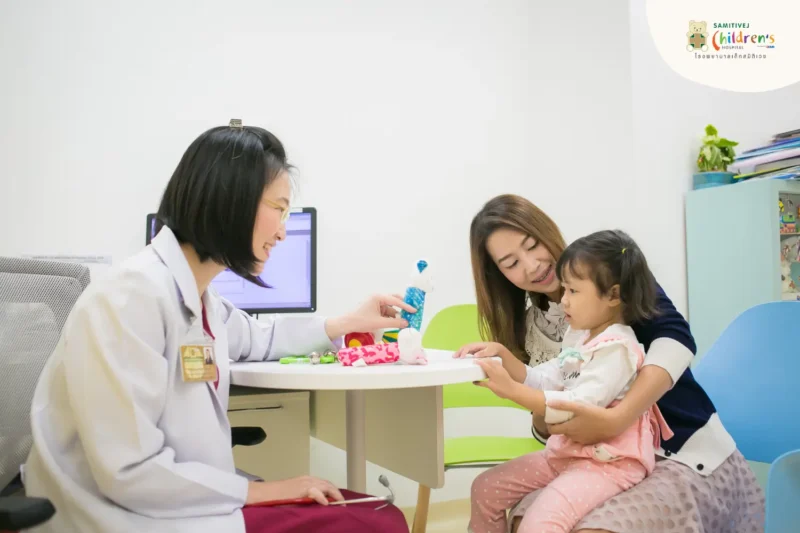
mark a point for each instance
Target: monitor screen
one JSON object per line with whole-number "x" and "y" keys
{"x": 291, "y": 271}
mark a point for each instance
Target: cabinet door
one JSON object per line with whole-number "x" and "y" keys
{"x": 286, "y": 451}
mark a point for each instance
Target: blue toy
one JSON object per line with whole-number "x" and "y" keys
{"x": 409, "y": 340}
{"x": 415, "y": 296}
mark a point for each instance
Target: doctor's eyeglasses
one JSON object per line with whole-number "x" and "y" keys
{"x": 285, "y": 211}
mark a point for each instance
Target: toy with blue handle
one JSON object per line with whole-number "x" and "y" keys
{"x": 415, "y": 296}
{"x": 409, "y": 340}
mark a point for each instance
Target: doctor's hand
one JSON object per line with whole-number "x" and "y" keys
{"x": 378, "y": 312}
{"x": 289, "y": 489}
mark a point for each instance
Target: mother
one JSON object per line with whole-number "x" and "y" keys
{"x": 702, "y": 483}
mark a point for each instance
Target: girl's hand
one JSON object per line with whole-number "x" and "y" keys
{"x": 516, "y": 368}
{"x": 483, "y": 349}
{"x": 590, "y": 425}
{"x": 499, "y": 380}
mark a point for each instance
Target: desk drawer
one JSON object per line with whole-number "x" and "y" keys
{"x": 285, "y": 419}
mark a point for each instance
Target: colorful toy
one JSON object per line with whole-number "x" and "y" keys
{"x": 301, "y": 359}
{"x": 415, "y": 296}
{"x": 369, "y": 355}
{"x": 410, "y": 339}
{"x": 404, "y": 345}
{"x": 311, "y": 359}
{"x": 390, "y": 335}
{"x": 352, "y": 340}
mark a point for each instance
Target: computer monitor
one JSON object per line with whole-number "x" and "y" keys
{"x": 291, "y": 271}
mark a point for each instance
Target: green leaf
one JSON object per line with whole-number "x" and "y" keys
{"x": 711, "y": 130}
{"x": 726, "y": 142}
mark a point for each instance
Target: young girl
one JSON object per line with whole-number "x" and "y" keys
{"x": 607, "y": 285}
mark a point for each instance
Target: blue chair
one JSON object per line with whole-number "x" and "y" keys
{"x": 783, "y": 494}
{"x": 752, "y": 374}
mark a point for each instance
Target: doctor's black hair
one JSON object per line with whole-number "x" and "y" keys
{"x": 609, "y": 258}
{"x": 212, "y": 198}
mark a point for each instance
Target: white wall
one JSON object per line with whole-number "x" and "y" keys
{"x": 402, "y": 117}
{"x": 670, "y": 114}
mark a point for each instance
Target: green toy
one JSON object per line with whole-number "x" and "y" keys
{"x": 311, "y": 359}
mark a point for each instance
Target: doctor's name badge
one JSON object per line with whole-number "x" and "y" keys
{"x": 198, "y": 363}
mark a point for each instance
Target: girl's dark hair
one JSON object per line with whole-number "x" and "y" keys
{"x": 213, "y": 196}
{"x": 611, "y": 258}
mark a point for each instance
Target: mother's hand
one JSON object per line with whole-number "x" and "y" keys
{"x": 590, "y": 425}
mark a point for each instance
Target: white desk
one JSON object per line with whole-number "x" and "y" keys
{"x": 399, "y": 407}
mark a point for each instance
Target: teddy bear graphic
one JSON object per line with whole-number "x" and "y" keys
{"x": 697, "y": 36}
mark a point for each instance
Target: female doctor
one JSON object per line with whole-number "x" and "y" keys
{"x": 129, "y": 421}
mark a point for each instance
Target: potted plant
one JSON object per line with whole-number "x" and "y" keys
{"x": 713, "y": 160}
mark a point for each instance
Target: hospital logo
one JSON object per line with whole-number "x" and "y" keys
{"x": 727, "y": 40}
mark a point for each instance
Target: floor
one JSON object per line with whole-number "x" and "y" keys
{"x": 444, "y": 517}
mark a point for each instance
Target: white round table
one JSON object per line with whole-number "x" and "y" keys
{"x": 442, "y": 369}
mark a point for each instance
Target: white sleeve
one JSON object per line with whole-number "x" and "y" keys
{"x": 601, "y": 380}
{"x": 544, "y": 376}
{"x": 117, "y": 381}
{"x": 278, "y": 336}
{"x": 670, "y": 355}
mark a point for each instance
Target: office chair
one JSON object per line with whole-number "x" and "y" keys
{"x": 35, "y": 300}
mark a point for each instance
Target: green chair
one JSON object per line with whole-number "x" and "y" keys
{"x": 450, "y": 329}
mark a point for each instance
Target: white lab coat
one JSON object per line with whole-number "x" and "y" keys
{"x": 121, "y": 442}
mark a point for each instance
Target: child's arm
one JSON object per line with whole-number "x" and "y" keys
{"x": 544, "y": 376}
{"x": 600, "y": 382}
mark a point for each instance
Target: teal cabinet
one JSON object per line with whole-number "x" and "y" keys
{"x": 742, "y": 249}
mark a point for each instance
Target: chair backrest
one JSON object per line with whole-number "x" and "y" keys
{"x": 35, "y": 299}
{"x": 450, "y": 329}
{"x": 783, "y": 494}
{"x": 751, "y": 374}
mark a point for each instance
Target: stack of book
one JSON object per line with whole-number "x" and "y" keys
{"x": 780, "y": 159}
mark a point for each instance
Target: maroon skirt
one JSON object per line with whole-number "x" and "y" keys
{"x": 352, "y": 518}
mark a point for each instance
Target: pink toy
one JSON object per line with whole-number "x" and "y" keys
{"x": 373, "y": 354}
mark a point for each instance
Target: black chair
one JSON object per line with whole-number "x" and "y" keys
{"x": 21, "y": 512}
{"x": 247, "y": 436}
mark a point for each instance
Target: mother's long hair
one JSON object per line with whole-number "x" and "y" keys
{"x": 501, "y": 304}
